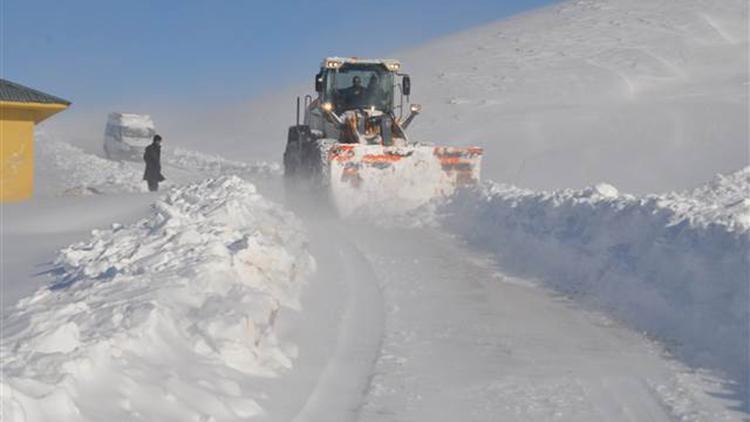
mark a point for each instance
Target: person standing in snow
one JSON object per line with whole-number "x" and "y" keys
{"x": 152, "y": 157}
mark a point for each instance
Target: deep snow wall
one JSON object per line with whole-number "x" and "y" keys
{"x": 675, "y": 266}
{"x": 171, "y": 318}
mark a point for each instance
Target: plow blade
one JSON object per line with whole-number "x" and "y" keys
{"x": 394, "y": 179}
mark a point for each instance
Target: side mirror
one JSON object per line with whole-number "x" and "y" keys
{"x": 319, "y": 82}
{"x": 406, "y": 85}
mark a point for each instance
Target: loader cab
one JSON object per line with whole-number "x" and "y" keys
{"x": 352, "y": 86}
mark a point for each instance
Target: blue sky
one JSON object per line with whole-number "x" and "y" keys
{"x": 105, "y": 52}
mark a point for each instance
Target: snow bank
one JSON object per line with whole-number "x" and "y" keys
{"x": 675, "y": 265}
{"x": 218, "y": 166}
{"x": 64, "y": 169}
{"x": 169, "y": 318}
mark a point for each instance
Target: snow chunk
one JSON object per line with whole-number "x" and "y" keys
{"x": 169, "y": 318}
{"x": 62, "y": 339}
{"x": 601, "y": 190}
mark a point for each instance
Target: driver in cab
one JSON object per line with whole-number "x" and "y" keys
{"x": 355, "y": 94}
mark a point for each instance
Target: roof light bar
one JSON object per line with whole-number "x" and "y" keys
{"x": 333, "y": 64}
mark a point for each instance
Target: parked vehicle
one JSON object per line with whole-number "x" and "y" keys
{"x": 127, "y": 135}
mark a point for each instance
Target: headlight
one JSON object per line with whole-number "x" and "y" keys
{"x": 415, "y": 108}
{"x": 327, "y": 106}
{"x": 333, "y": 64}
{"x": 393, "y": 67}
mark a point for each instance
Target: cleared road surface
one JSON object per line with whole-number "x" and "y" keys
{"x": 420, "y": 328}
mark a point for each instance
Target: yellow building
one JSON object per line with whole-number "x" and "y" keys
{"x": 20, "y": 109}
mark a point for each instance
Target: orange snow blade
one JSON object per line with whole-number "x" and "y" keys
{"x": 394, "y": 179}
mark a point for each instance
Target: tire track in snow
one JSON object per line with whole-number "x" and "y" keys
{"x": 342, "y": 385}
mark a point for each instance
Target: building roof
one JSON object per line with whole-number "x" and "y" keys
{"x": 13, "y": 92}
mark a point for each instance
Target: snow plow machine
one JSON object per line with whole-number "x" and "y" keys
{"x": 352, "y": 148}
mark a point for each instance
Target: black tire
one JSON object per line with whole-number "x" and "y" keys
{"x": 303, "y": 168}
{"x": 297, "y": 137}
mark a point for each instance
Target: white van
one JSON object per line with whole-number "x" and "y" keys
{"x": 127, "y": 135}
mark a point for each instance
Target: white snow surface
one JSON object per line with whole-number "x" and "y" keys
{"x": 444, "y": 326}
{"x": 215, "y": 165}
{"x": 467, "y": 339}
{"x": 65, "y": 169}
{"x": 169, "y": 318}
{"x": 674, "y": 266}
{"x": 648, "y": 95}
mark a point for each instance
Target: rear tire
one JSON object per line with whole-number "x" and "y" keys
{"x": 303, "y": 171}
{"x": 297, "y": 136}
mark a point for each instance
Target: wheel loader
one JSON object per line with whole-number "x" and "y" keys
{"x": 352, "y": 147}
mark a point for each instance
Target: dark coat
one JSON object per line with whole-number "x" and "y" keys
{"x": 152, "y": 157}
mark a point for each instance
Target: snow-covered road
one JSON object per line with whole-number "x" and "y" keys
{"x": 463, "y": 341}
{"x": 413, "y": 325}
{"x": 338, "y": 332}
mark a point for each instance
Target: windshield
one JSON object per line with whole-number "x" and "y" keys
{"x": 360, "y": 86}
{"x": 136, "y": 132}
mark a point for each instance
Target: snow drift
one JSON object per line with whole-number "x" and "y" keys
{"x": 215, "y": 166}
{"x": 650, "y": 95}
{"x": 674, "y": 265}
{"x": 64, "y": 169}
{"x": 169, "y": 318}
